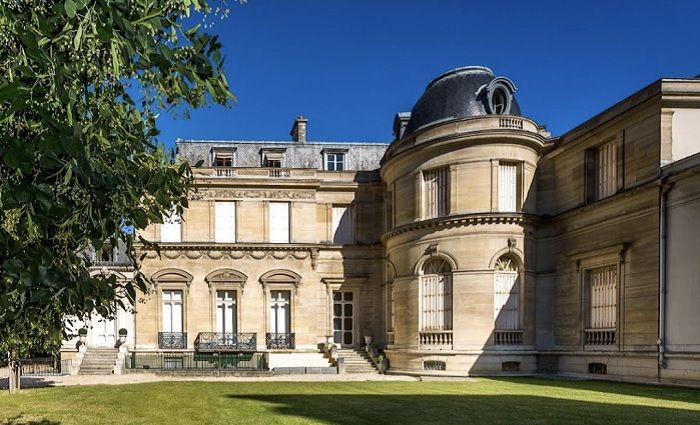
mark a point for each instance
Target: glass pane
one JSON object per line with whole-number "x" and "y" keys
{"x": 337, "y": 324}
{"x": 347, "y": 338}
{"x": 348, "y": 296}
{"x": 337, "y": 310}
{"x": 348, "y": 324}
{"x": 336, "y": 296}
{"x": 337, "y": 337}
{"x": 348, "y": 309}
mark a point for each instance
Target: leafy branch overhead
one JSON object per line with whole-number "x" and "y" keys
{"x": 81, "y": 84}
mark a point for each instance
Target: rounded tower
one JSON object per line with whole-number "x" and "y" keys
{"x": 460, "y": 198}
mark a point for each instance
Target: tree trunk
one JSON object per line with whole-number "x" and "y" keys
{"x": 14, "y": 370}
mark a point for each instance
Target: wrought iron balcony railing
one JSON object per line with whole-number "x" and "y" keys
{"x": 277, "y": 341}
{"x": 172, "y": 340}
{"x": 224, "y": 341}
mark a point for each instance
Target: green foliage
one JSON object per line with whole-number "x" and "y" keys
{"x": 81, "y": 82}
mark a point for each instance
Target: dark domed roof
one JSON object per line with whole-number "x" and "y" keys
{"x": 460, "y": 93}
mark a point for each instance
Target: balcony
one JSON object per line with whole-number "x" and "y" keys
{"x": 599, "y": 336}
{"x": 435, "y": 340}
{"x": 508, "y": 337}
{"x": 262, "y": 172}
{"x": 172, "y": 340}
{"x": 221, "y": 341}
{"x": 277, "y": 341}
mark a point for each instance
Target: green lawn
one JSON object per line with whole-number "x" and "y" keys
{"x": 481, "y": 401}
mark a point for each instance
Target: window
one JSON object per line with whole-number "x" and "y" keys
{"x": 279, "y": 222}
{"x": 225, "y": 222}
{"x": 436, "y": 296}
{"x": 280, "y": 314}
{"x": 335, "y": 161}
{"x": 507, "y": 187}
{"x": 603, "y": 296}
{"x": 435, "y": 193}
{"x": 500, "y": 101}
{"x": 601, "y": 171}
{"x": 343, "y": 225}
{"x": 273, "y": 158}
{"x": 226, "y": 311}
{"x": 172, "y": 311}
{"x": 606, "y": 164}
{"x": 506, "y": 295}
{"x": 222, "y": 157}
{"x": 170, "y": 229}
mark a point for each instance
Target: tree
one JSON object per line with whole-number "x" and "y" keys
{"x": 81, "y": 83}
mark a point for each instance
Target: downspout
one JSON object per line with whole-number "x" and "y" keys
{"x": 665, "y": 187}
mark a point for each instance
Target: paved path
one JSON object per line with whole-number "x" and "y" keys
{"x": 135, "y": 378}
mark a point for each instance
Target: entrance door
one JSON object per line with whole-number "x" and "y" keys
{"x": 343, "y": 323}
{"x": 104, "y": 332}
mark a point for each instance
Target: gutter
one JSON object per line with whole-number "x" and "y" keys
{"x": 664, "y": 187}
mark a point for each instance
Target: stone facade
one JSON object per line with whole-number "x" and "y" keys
{"x": 475, "y": 243}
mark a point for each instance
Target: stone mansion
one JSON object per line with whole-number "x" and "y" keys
{"x": 474, "y": 243}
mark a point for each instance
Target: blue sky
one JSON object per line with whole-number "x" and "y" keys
{"x": 349, "y": 66}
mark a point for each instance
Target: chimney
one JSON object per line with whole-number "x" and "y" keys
{"x": 298, "y": 132}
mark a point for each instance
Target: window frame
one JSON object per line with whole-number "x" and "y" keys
{"x": 592, "y": 168}
{"x": 447, "y": 296}
{"x": 215, "y": 151}
{"x": 517, "y": 190}
{"x": 439, "y": 177}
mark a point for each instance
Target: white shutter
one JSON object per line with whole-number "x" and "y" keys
{"x": 437, "y": 302}
{"x": 279, "y": 222}
{"x": 170, "y": 229}
{"x": 606, "y": 157}
{"x": 435, "y": 193}
{"x": 507, "y": 187}
{"x": 603, "y": 287}
{"x": 343, "y": 225}
{"x": 506, "y": 300}
{"x": 225, "y": 222}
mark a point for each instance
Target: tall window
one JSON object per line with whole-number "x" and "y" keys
{"x": 343, "y": 225}
{"x": 435, "y": 193}
{"x": 280, "y": 312}
{"x": 279, "y": 222}
{"x": 172, "y": 311}
{"x": 507, "y": 187}
{"x": 225, "y": 222}
{"x": 606, "y": 170}
{"x": 603, "y": 297}
{"x": 506, "y": 298}
{"x": 170, "y": 229}
{"x": 436, "y": 296}
{"x": 226, "y": 311}
{"x": 335, "y": 161}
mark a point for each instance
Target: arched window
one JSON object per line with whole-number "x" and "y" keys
{"x": 436, "y": 296}
{"x": 506, "y": 295}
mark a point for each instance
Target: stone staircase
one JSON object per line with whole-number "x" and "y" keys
{"x": 356, "y": 361}
{"x": 98, "y": 361}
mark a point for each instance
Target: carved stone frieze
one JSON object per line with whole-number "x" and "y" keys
{"x": 253, "y": 194}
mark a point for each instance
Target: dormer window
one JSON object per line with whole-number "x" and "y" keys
{"x": 334, "y": 159}
{"x": 222, "y": 157}
{"x": 498, "y": 96}
{"x": 273, "y": 158}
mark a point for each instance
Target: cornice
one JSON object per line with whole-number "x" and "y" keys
{"x": 462, "y": 220}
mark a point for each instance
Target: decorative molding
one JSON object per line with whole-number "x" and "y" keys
{"x": 225, "y": 277}
{"x": 235, "y": 252}
{"x": 462, "y": 220}
{"x": 280, "y": 277}
{"x": 251, "y": 194}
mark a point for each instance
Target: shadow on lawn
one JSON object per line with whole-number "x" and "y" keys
{"x": 464, "y": 409}
{"x": 661, "y": 392}
{"x": 17, "y": 420}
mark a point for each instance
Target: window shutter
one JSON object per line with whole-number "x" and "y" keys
{"x": 343, "y": 225}
{"x": 225, "y": 221}
{"x": 170, "y": 229}
{"x": 507, "y": 187}
{"x": 279, "y": 222}
{"x": 506, "y": 301}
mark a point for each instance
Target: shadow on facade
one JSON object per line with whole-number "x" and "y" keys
{"x": 439, "y": 409}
